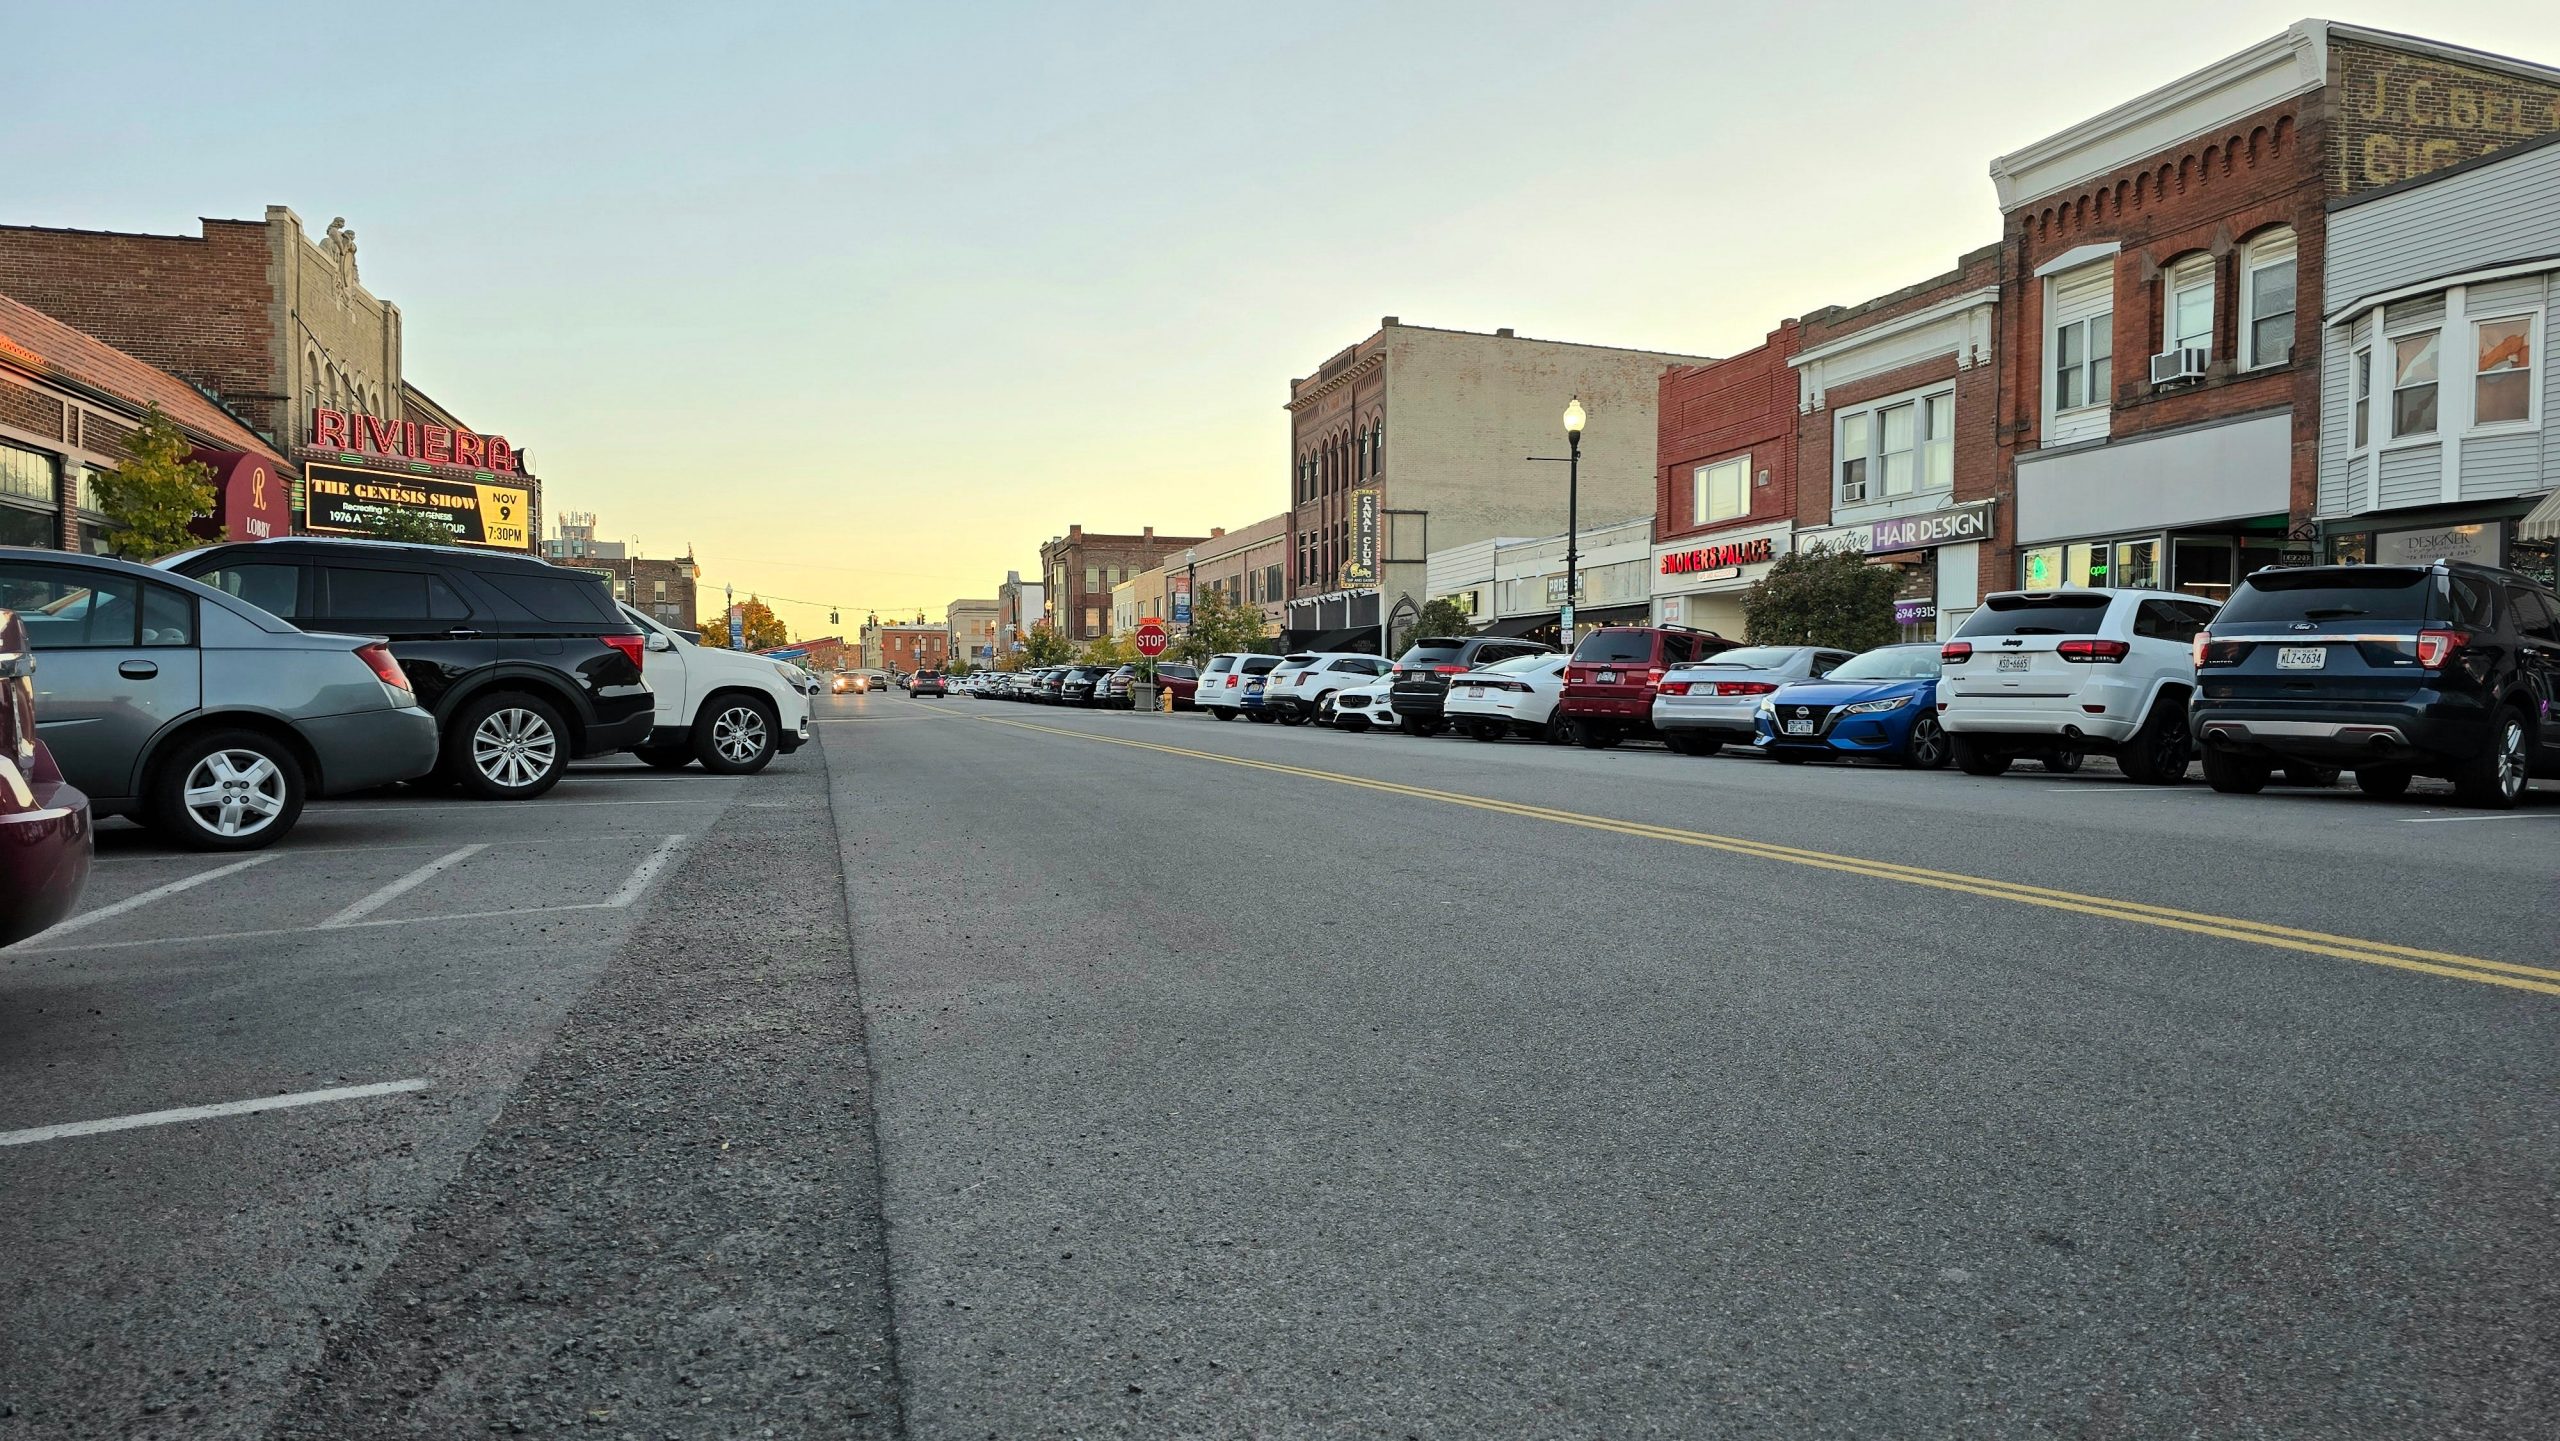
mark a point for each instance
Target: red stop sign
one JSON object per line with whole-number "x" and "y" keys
{"x": 1150, "y": 637}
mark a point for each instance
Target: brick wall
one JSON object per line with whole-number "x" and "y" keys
{"x": 201, "y": 307}
{"x": 1708, "y": 413}
{"x": 1063, "y": 562}
{"x": 2397, "y": 114}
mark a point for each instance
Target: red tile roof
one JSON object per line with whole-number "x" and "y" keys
{"x": 42, "y": 345}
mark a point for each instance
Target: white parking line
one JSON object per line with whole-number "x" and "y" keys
{"x": 2446, "y": 820}
{"x": 135, "y": 903}
{"x": 641, "y": 875}
{"x": 488, "y": 806}
{"x": 401, "y": 887}
{"x": 201, "y": 1113}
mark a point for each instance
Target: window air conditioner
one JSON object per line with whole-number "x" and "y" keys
{"x": 2185, "y": 363}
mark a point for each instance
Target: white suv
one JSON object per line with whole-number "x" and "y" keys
{"x": 1299, "y": 686}
{"x": 732, "y": 711}
{"x": 2038, "y": 672}
{"x": 1223, "y": 681}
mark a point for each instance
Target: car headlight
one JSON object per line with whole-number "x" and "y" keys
{"x": 1876, "y": 707}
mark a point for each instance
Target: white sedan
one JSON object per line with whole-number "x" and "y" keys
{"x": 1360, "y": 707}
{"x": 1509, "y": 697}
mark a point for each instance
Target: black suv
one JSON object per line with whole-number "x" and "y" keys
{"x": 1421, "y": 684}
{"x": 2448, "y": 670}
{"x": 523, "y": 663}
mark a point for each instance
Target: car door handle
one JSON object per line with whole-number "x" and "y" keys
{"x": 138, "y": 670}
{"x": 462, "y": 632}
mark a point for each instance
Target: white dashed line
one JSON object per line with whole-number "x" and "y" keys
{"x": 134, "y": 903}
{"x": 205, "y": 1113}
{"x": 401, "y": 887}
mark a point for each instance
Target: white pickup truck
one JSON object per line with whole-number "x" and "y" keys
{"x": 731, "y": 711}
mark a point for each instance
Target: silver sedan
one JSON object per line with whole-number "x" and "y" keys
{"x": 1707, "y": 703}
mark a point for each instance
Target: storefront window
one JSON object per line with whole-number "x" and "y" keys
{"x": 2201, "y": 567}
{"x": 24, "y": 525}
{"x": 2042, "y": 569}
{"x": 2085, "y": 564}
{"x": 1915, "y": 601}
{"x": 26, "y": 474}
{"x": 2351, "y": 549}
{"x": 2138, "y": 564}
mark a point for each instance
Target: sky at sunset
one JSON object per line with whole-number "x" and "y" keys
{"x": 863, "y": 303}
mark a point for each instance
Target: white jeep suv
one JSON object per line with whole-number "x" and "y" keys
{"x": 2035, "y": 673}
{"x": 730, "y": 710}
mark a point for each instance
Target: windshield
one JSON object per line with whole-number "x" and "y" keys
{"x": 1633, "y": 647}
{"x": 2362, "y": 592}
{"x": 1894, "y": 662}
{"x": 2068, "y": 613}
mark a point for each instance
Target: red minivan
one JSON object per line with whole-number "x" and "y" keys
{"x": 1610, "y": 682}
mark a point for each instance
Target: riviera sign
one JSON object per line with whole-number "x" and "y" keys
{"x": 337, "y": 431}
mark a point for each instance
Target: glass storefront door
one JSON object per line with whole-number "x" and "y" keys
{"x": 2200, "y": 566}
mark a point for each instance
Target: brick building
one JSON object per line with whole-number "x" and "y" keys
{"x": 2161, "y": 269}
{"x": 972, "y": 627}
{"x": 1250, "y": 564}
{"x": 279, "y": 328}
{"x": 1464, "y": 409}
{"x": 1079, "y": 570}
{"x": 1018, "y": 608}
{"x": 68, "y": 400}
{"x": 1897, "y": 441}
{"x": 905, "y": 646}
{"x": 1724, "y": 497}
{"x": 663, "y": 589}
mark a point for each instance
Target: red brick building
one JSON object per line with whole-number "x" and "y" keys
{"x": 1725, "y": 482}
{"x": 1079, "y": 569}
{"x": 1897, "y": 440}
{"x": 2161, "y": 272}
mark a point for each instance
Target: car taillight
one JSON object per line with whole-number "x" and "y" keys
{"x": 385, "y": 665}
{"x": 1955, "y": 652}
{"x": 1231, "y": 680}
{"x": 2093, "y": 652}
{"x": 2435, "y": 647}
{"x": 1675, "y": 687}
{"x": 2197, "y": 658}
{"x": 629, "y": 645}
{"x": 1449, "y": 669}
{"x": 1744, "y": 687}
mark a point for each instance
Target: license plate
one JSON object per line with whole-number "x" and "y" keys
{"x": 2301, "y": 657}
{"x": 1254, "y": 689}
{"x": 1475, "y": 692}
{"x": 1799, "y": 727}
{"x": 1608, "y": 677}
{"x": 2014, "y": 662}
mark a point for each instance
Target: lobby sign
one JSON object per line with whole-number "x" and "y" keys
{"x": 1938, "y": 527}
{"x": 341, "y": 500}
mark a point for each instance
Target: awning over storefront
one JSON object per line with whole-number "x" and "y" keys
{"x": 1528, "y": 625}
{"x": 1360, "y": 641}
{"x": 2543, "y": 521}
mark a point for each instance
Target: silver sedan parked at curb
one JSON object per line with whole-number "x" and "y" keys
{"x": 197, "y": 713}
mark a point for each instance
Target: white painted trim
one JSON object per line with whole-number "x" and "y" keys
{"x": 2537, "y": 339}
{"x": 2078, "y": 256}
{"x": 1959, "y": 326}
{"x": 2207, "y": 100}
{"x": 1928, "y": 315}
{"x": 2244, "y": 348}
{"x": 2356, "y": 308}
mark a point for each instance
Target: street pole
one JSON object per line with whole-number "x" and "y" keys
{"x": 1573, "y": 422}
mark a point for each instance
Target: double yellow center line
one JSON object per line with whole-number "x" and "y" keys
{"x": 2317, "y": 943}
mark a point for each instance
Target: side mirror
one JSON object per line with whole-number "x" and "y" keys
{"x": 658, "y": 641}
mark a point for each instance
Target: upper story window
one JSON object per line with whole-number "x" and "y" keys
{"x": 1898, "y": 447}
{"x": 2080, "y": 351}
{"x": 2363, "y": 381}
{"x": 2413, "y": 383}
{"x": 2188, "y": 323}
{"x": 2266, "y": 300}
{"x": 1721, "y": 491}
{"x": 2502, "y": 374}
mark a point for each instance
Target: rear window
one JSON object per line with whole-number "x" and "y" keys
{"x": 560, "y": 599}
{"x": 1753, "y": 657}
{"x": 2064, "y": 614}
{"x": 2363, "y": 592}
{"x": 1628, "y": 646}
{"x": 1432, "y": 651}
{"x": 1259, "y": 665}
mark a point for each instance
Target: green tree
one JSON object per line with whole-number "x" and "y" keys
{"x": 1045, "y": 644}
{"x": 1822, "y": 596}
{"x": 1109, "y": 650}
{"x": 765, "y": 630}
{"x": 416, "y": 527}
{"x": 1440, "y": 617}
{"x": 152, "y": 503}
{"x": 1219, "y": 623}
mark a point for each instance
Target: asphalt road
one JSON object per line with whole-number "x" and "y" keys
{"x": 997, "y": 1071}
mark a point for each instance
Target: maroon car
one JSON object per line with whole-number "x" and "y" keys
{"x": 44, "y": 822}
{"x": 1609, "y": 684}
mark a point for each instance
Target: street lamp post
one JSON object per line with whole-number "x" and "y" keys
{"x": 1573, "y": 421}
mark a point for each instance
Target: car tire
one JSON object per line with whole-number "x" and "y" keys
{"x": 2063, "y": 762}
{"x": 1220, "y": 712}
{"x": 1975, "y": 759}
{"x": 1292, "y": 718}
{"x": 226, "y": 790}
{"x": 1925, "y": 749}
{"x": 1558, "y": 732}
{"x": 736, "y": 735}
{"x": 2318, "y": 778}
{"x": 2235, "y": 775}
{"x": 1596, "y": 735}
{"x": 506, "y": 746}
{"x": 1486, "y": 730}
{"x": 2383, "y": 783}
{"x": 665, "y": 758}
{"x": 2496, "y": 779}
{"x": 2158, "y": 753}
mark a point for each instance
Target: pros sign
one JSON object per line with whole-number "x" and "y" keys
{"x": 345, "y": 501}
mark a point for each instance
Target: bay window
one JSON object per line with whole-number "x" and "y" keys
{"x": 2363, "y": 382}
{"x": 2502, "y": 371}
{"x": 2413, "y": 384}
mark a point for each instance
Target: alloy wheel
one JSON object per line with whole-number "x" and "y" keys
{"x": 235, "y": 793}
{"x": 2511, "y": 759}
{"x": 1927, "y": 749}
{"x": 513, "y": 747}
{"x": 739, "y": 734}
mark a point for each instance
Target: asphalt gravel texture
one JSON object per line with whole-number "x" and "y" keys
{"x": 977, "y": 1074}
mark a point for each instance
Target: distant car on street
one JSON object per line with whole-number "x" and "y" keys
{"x": 1422, "y": 673}
{"x": 198, "y": 713}
{"x": 44, "y": 820}
{"x": 1299, "y": 686}
{"x": 927, "y": 683}
{"x": 1365, "y": 707}
{"x": 1616, "y": 670}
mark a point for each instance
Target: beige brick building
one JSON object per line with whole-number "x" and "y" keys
{"x": 1440, "y": 423}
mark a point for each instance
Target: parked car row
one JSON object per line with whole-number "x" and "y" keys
{"x": 2393, "y": 672}
{"x": 212, "y": 695}
{"x": 1093, "y": 687}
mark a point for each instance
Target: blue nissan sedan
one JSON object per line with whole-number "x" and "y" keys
{"x": 1882, "y": 703}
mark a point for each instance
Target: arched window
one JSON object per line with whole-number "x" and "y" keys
{"x": 2266, "y": 298}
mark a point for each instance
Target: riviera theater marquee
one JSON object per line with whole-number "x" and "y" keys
{"x": 360, "y": 469}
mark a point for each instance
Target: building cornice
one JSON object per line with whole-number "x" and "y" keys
{"x": 2267, "y": 73}
{"x": 1365, "y": 366}
{"x": 1959, "y": 326}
